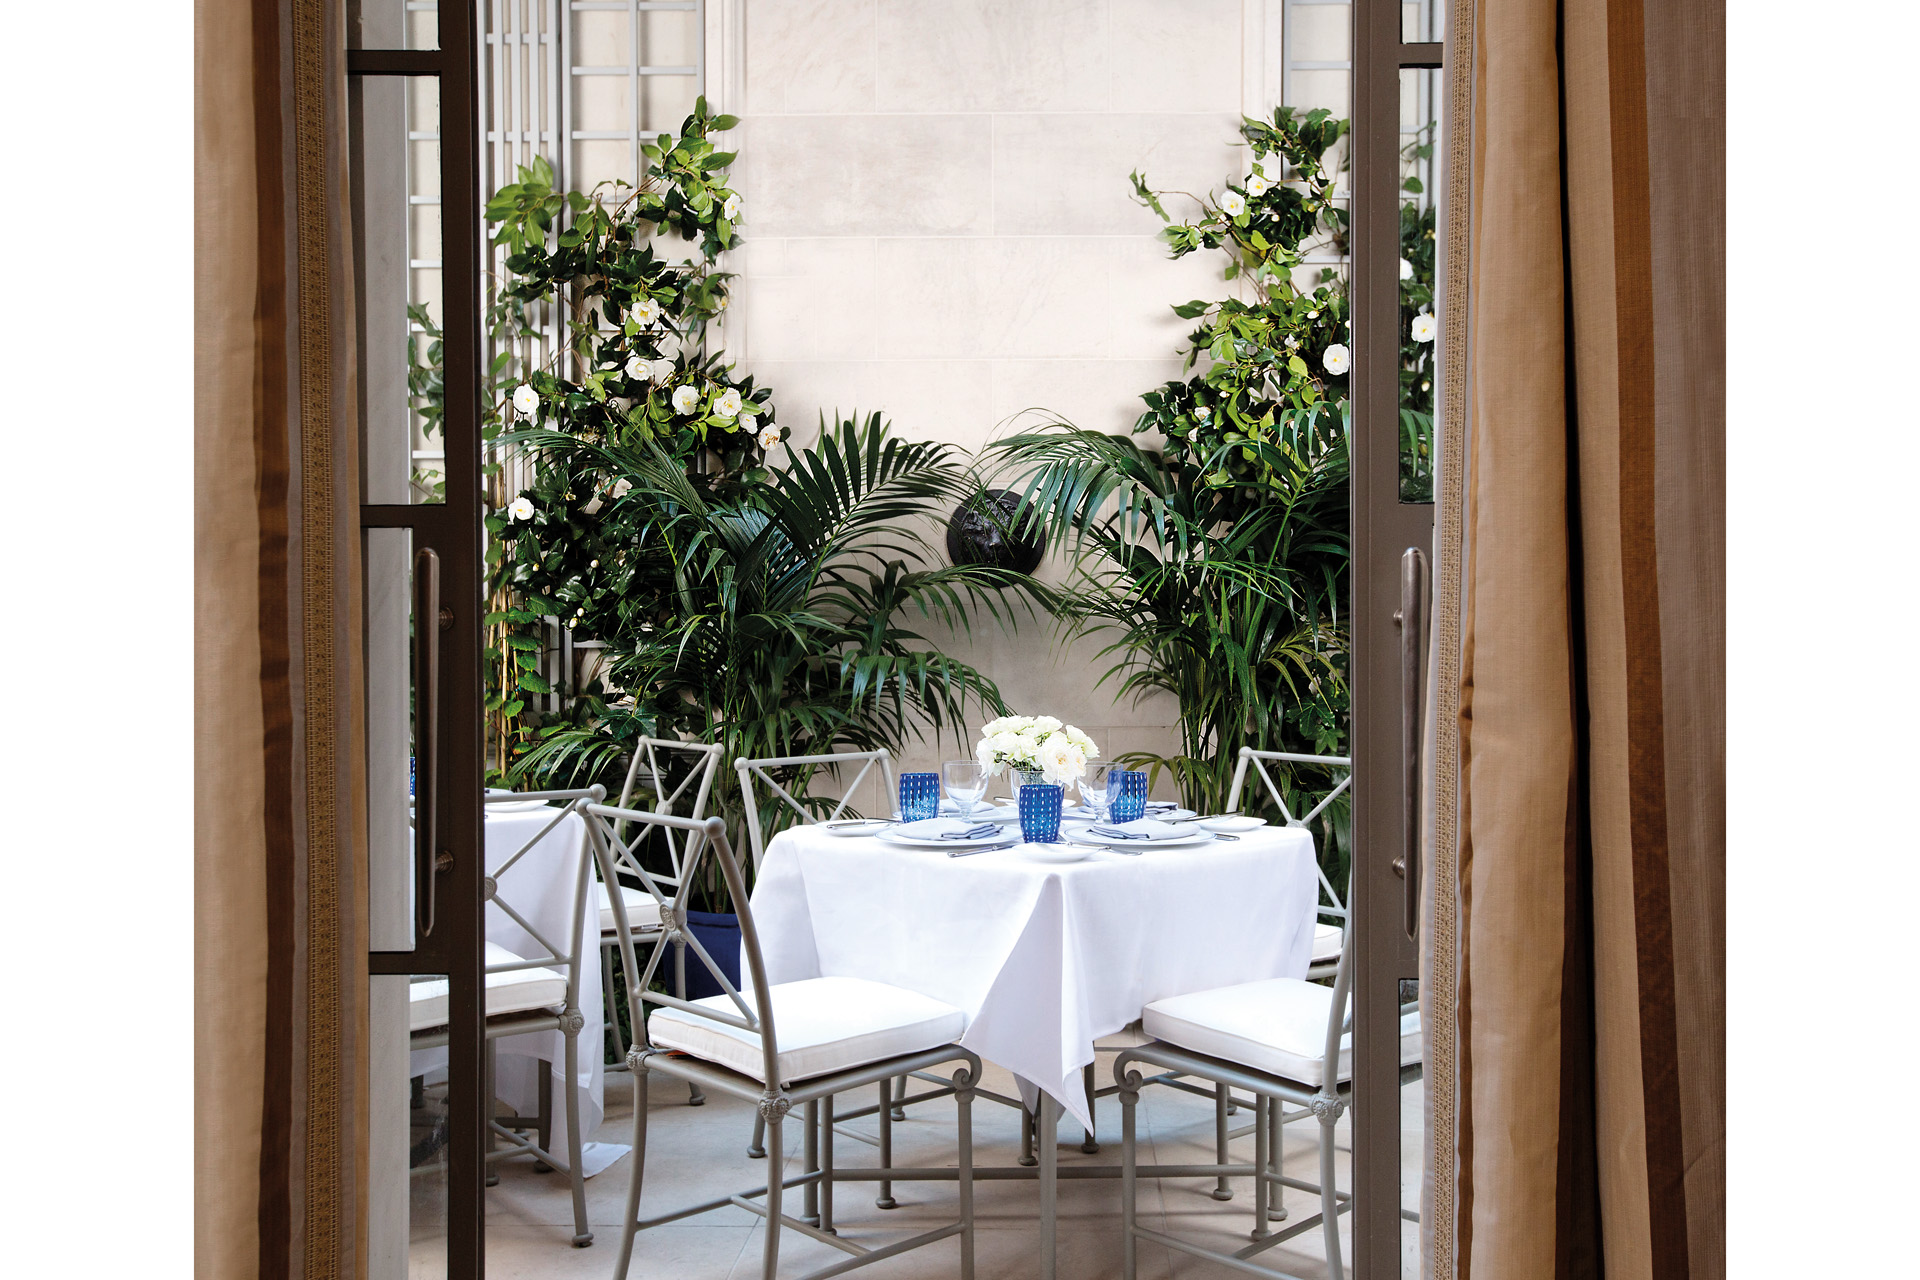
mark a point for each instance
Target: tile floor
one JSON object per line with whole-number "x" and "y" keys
{"x": 697, "y": 1153}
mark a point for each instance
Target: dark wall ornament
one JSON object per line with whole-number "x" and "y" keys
{"x": 981, "y": 531}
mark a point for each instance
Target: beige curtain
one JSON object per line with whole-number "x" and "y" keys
{"x": 1579, "y": 843}
{"x": 279, "y": 947}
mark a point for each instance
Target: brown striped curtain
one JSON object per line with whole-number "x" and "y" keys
{"x": 279, "y": 945}
{"x": 1577, "y": 1107}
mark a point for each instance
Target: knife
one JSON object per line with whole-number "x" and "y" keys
{"x": 985, "y": 848}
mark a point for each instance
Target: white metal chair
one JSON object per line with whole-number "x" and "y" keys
{"x": 1327, "y": 936}
{"x": 526, "y": 994}
{"x": 1284, "y": 1040}
{"x": 643, "y": 913}
{"x": 834, "y": 1034}
{"x": 803, "y": 767}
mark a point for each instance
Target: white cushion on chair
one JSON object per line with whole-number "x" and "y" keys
{"x": 823, "y": 1025}
{"x": 643, "y": 909}
{"x": 1327, "y": 939}
{"x": 1278, "y": 1026}
{"x": 513, "y": 991}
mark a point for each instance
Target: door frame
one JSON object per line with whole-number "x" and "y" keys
{"x": 1383, "y": 529}
{"x": 453, "y": 531}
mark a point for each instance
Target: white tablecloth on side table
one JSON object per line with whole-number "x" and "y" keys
{"x": 1044, "y": 959}
{"x": 540, "y": 886}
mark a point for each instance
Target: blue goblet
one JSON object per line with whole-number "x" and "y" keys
{"x": 1040, "y": 812}
{"x": 919, "y": 796}
{"x": 1126, "y": 795}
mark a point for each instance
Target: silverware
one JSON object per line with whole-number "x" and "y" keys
{"x": 862, "y": 822}
{"x": 1220, "y": 836}
{"x": 985, "y": 848}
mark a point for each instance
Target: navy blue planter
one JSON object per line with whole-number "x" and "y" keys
{"x": 719, "y": 934}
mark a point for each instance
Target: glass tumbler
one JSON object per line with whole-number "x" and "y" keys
{"x": 919, "y": 796}
{"x": 1040, "y": 812}
{"x": 1126, "y": 795}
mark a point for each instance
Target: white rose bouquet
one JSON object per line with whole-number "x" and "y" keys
{"x": 1058, "y": 752}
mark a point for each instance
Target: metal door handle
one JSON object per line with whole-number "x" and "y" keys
{"x": 426, "y": 733}
{"x": 1412, "y": 619}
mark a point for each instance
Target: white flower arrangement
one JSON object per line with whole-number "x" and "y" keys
{"x": 1058, "y": 751}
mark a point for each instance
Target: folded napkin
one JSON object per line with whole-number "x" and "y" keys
{"x": 1161, "y": 806}
{"x": 949, "y": 829}
{"x": 1138, "y": 829}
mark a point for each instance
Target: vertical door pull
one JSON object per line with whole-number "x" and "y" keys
{"x": 1412, "y": 619}
{"x": 427, "y": 623}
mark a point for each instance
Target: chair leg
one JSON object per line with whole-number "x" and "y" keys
{"x": 1129, "y": 1102}
{"x": 627, "y": 1227}
{"x": 613, "y": 1014}
{"x": 963, "y": 1101}
{"x": 1088, "y": 1145}
{"x": 900, "y": 1112}
{"x": 757, "y": 1145}
{"x": 1222, "y": 1189}
{"x": 886, "y": 1200}
{"x": 582, "y": 1234}
{"x": 810, "y": 1158}
{"x": 490, "y": 1109}
{"x": 1329, "y": 1203}
{"x": 694, "y": 1095}
{"x": 543, "y": 1124}
{"x": 770, "y": 1257}
{"x": 1276, "y": 1211}
{"x": 1026, "y": 1139}
{"x": 826, "y": 1165}
{"x": 1261, "y": 1188}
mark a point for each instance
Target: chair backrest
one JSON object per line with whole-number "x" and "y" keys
{"x": 1343, "y": 769}
{"x": 606, "y": 827}
{"x": 749, "y": 770}
{"x": 647, "y": 775}
{"x": 556, "y": 953}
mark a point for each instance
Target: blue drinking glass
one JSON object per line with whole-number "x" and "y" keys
{"x": 919, "y": 796}
{"x": 1040, "y": 812}
{"x": 1126, "y": 795}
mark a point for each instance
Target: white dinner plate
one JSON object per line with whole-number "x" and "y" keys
{"x": 1081, "y": 812}
{"x": 1055, "y": 852}
{"x": 1233, "y": 822}
{"x": 1084, "y": 836}
{"x": 893, "y": 835}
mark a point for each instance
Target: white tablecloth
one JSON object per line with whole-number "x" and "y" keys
{"x": 540, "y": 886}
{"x": 1044, "y": 959}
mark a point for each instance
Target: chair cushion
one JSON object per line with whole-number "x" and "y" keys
{"x": 823, "y": 1025}
{"x": 514, "y": 991}
{"x": 1278, "y": 1026}
{"x": 643, "y": 909}
{"x": 1327, "y": 939}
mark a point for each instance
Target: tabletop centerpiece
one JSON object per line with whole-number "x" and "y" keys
{"x": 1035, "y": 749}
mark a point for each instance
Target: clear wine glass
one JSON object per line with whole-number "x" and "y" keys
{"x": 1093, "y": 787}
{"x": 966, "y": 783}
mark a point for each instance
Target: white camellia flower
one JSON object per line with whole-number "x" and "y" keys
{"x": 1233, "y": 204}
{"x": 662, "y": 369}
{"x": 685, "y": 399}
{"x": 1406, "y": 269}
{"x": 728, "y": 404}
{"x": 746, "y": 423}
{"x": 1293, "y": 343}
{"x": 1424, "y": 327}
{"x": 770, "y": 437}
{"x": 1201, "y": 412}
{"x": 731, "y": 209}
{"x": 645, "y": 313}
{"x": 1257, "y": 186}
{"x": 525, "y": 398}
{"x": 639, "y": 368}
{"x": 521, "y": 508}
{"x": 1337, "y": 358}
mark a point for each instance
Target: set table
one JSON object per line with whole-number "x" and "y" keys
{"x": 1043, "y": 958}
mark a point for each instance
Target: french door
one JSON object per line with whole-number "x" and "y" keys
{"x": 412, "y": 116}
{"x": 1398, "y": 54}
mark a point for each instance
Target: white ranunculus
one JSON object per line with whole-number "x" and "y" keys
{"x": 1406, "y": 269}
{"x": 1336, "y": 359}
{"x": 984, "y": 754}
{"x": 1082, "y": 741}
{"x": 521, "y": 508}
{"x": 1232, "y": 203}
{"x": 992, "y": 727}
{"x": 662, "y": 369}
{"x": 770, "y": 437}
{"x": 731, "y": 209}
{"x": 645, "y": 313}
{"x": 685, "y": 399}
{"x": 728, "y": 404}
{"x": 1047, "y": 724}
{"x": 1060, "y": 761}
{"x": 525, "y": 398}
{"x": 1424, "y": 327}
{"x": 1257, "y": 186}
{"x": 639, "y": 368}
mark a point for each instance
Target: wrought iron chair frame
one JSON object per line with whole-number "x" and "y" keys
{"x": 773, "y": 1096}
